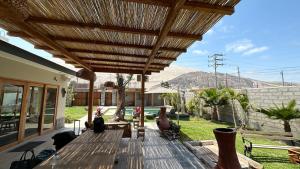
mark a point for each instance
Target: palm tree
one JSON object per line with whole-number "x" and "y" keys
{"x": 232, "y": 95}
{"x": 214, "y": 98}
{"x": 246, "y": 106}
{"x": 284, "y": 113}
{"x": 172, "y": 99}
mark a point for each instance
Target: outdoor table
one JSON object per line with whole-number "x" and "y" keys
{"x": 89, "y": 150}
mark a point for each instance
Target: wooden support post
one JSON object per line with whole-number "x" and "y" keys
{"x": 142, "y": 100}
{"x": 90, "y": 101}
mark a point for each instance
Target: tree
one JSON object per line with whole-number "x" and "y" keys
{"x": 122, "y": 83}
{"x": 172, "y": 99}
{"x": 214, "y": 98}
{"x": 284, "y": 113}
{"x": 232, "y": 95}
{"x": 246, "y": 106}
{"x": 194, "y": 105}
{"x": 70, "y": 94}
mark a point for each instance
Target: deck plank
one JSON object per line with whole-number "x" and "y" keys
{"x": 162, "y": 153}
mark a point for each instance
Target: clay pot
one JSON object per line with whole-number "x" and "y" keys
{"x": 227, "y": 153}
{"x": 162, "y": 121}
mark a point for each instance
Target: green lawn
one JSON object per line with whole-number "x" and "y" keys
{"x": 74, "y": 113}
{"x": 200, "y": 129}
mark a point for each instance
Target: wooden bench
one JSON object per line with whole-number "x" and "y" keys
{"x": 126, "y": 126}
{"x": 248, "y": 144}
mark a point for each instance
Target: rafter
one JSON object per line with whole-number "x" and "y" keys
{"x": 125, "y": 55}
{"x": 105, "y": 60}
{"x": 173, "y": 12}
{"x": 42, "y": 20}
{"x": 117, "y": 70}
{"x": 191, "y": 5}
{"x": 14, "y": 17}
{"x": 141, "y": 67}
{"x": 98, "y": 42}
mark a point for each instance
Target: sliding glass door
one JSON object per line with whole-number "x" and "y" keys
{"x": 26, "y": 109}
{"x": 10, "y": 110}
{"x": 50, "y": 109}
{"x": 33, "y": 110}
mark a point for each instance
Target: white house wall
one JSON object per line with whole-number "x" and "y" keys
{"x": 27, "y": 71}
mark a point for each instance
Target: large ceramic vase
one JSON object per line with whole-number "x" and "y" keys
{"x": 162, "y": 121}
{"x": 227, "y": 153}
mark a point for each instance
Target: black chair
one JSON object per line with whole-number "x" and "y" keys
{"x": 63, "y": 138}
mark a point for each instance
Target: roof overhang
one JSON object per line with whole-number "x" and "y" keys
{"x": 117, "y": 36}
{"x": 17, "y": 54}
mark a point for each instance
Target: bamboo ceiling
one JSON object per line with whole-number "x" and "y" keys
{"x": 125, "y": 36}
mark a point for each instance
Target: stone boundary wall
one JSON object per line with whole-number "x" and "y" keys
{"x": 267, "y": 97}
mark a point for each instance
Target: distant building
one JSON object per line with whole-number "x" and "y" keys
{"x": 108, "y": 96}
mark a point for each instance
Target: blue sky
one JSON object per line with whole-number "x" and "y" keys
{"x": 262, "y": 37}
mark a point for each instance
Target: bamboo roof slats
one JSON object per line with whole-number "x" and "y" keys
{"x": 174, "y": 10}
{"x": 111, "y": 31}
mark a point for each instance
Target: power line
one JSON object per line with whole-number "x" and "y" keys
{"x": 216, "y": 60}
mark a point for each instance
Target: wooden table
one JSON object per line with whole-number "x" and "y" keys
{"x": 88, "y": 151}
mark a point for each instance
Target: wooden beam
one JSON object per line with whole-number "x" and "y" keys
{"x": 117, "y": 70}
{"x": 142, "y": 99}
{"x": 120, "y": 63}
{"x": 171, "y": 17}
{"x": 191, "y": 5}
{"x": 14, "y": 17}
{"x": 56, "y": 22}
{"x": 126, "y": 68}
{"x": 115, "y": 44}
{"x": 123, "y": 66}
{"x": 91, "y": 101}
{"x": 129, "y": 56}
{"x": 210, "y": 8}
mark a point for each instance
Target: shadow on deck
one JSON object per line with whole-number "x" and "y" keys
{"x": 155, "y": 152}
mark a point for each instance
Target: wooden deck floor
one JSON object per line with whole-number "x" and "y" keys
{"x": 154, "y": 153}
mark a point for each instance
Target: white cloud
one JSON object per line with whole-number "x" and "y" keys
{"x": 210, "y": 32}
{"x": 245, "y": 47}
{"x": 256, "y": 50}
{"x": 226, "y": 28}
{"x": 239, "y": 46}
{"x": 200, "y": 52}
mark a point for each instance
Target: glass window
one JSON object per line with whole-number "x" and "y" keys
{"x": 33, "y": 110}
{"x": 10, "y": 110}
{"x": 50, "y": 108}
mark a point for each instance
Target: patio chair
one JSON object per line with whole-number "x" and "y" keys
{"x": 63, "y": 138}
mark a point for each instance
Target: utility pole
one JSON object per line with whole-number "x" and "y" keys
{"x": 208, "y": 80}
{"x": 239, "y": 77}
{"x": 216, "y": 60}
{"x": 282, "y": 78}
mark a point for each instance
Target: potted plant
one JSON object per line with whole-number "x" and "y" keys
{"x": 228, "y": 158}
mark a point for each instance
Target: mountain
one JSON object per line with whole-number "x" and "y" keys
{"x": 184, "y": 78}
{"x": 199, "y": 79}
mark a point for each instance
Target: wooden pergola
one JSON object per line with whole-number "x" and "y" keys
{"x": 116, "y": 36}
